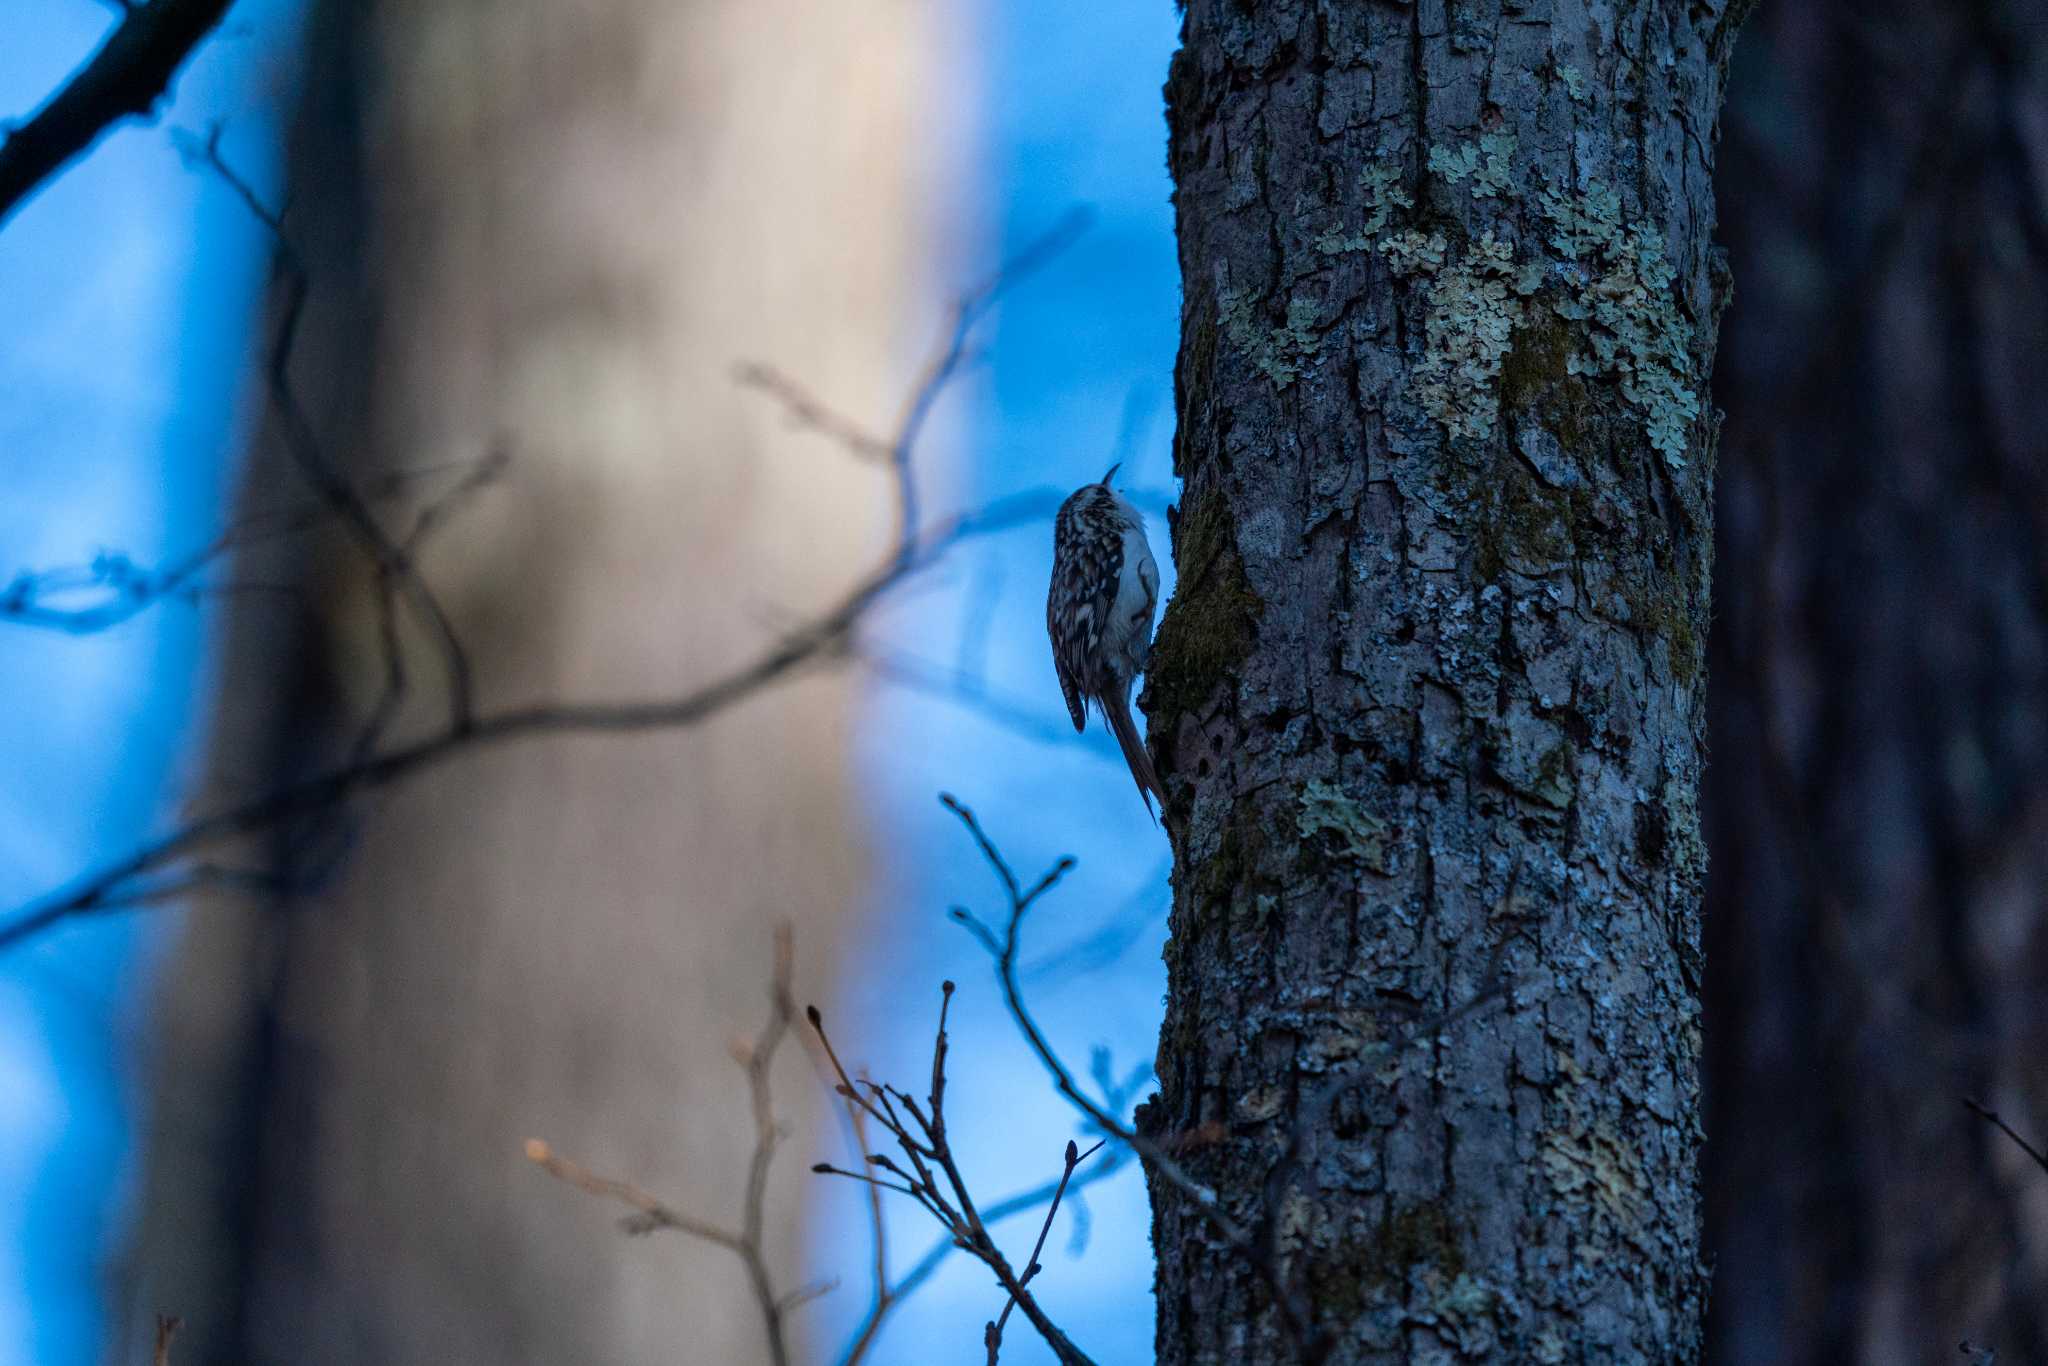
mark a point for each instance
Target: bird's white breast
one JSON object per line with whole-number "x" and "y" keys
{"x": 1128, "y": 636}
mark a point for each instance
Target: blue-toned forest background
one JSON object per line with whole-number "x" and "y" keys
{"x": 1876, "y": 804}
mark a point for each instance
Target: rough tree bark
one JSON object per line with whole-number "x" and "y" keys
{"x": 1877, "y": 806}
{"x": 1429, "y": 694}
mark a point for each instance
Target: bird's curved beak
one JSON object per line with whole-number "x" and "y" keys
{"x": 1112, "y": 473}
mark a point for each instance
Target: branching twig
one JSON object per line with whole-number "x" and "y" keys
{"x": 992, "y": 1336}
{"x": 807, "y": 412}
{"x": 124, "y": 79}
{"x": 653, "y": 1212}
{"x": 397, "y": 574}
{"x": 1990, "y": 1117}
{"x": 889, "y": 1294}
{"x": 1003, "y": 948}
{"x": 930, "y": 1175}
{"x": 1258, "y": 1249}
{"x": 758, "y": 1058}
{"x": 968, "y": 312}
{"x": 821, "y": 640}
{"x": 116, "y": 590}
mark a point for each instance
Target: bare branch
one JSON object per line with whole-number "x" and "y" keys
{"x": 124, "y": 80}
{"x": 653, "y": 1212}
{"x": 112, "y": 589}
{"x": 824, "y": 639}
{"x": 758, "y": 1059}
{"x": 1111, "y": 1163}
{"x": 938, "y": 1186}
{"x": 947, "y": 360}
{"x": 1075, "y": 1157}
{"x": 809, "y": 413}
{"x": 398, "y": 575}
{"x": 1990, "y": 1117}
{"x": 1256, "y": 1248}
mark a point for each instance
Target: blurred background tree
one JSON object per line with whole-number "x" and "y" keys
{"x": 1876, "y": 798}
{"x": 551, "y": 228}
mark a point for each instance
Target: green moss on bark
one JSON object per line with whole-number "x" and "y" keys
{"x": 1211, "y": 624}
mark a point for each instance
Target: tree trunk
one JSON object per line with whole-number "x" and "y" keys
{"x": 554, "y": 227}
{"x": 1878, "y": 804}
{"x": 1429, "y": 693}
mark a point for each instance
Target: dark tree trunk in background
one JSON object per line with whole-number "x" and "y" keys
{"x": 1429, "y": 694}
{"x": 1878, "y": 803}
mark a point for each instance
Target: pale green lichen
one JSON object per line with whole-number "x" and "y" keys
{"x": 1586, "y": 1158}
{"x": 1356, "y": 835}
{"x": 1466, "y": 1297}
{"x": 1454, "y": 163}
{"x": 1383, "y": 198}
{"x": 1383, "y": 195}
{"x": 1278, "y": 352}
{"x": 1489, "y": 163}
{"x": 1415, "y": 253}
{"x": 1470, "y": 328}
{"x": 1574, "y": 83}
{"x": 1475, "y": 305}
{"x": 1496, "y": 167}
{"x": 1633, "y": 327}
{"x": 1618, "y": 286}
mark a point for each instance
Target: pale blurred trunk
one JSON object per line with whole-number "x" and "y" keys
{"x": 556, "y": 225}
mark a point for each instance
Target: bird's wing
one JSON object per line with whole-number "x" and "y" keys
{"x": 1077, "y": 705}
{"x": 1084, "y": 581}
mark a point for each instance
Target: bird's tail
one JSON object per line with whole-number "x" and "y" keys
{"x": 1116, "y": 710}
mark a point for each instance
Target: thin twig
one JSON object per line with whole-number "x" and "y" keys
{"x": 821, "y": 640}
{"x": 1004, "y": 950}
{"x": 946, "y": 362}
{"x": 757, "y": 1058}
{"x": 1257, "y": 1251}
{"x": 118, "y": 590}
{"x": 397, "y": 574}
{"x": 1990, "y": 1116}
{"x": 1074, "y": 1158}
{"x": 883, "y": 1297}
{"x": 654, "y": 1213}
{"x": 933, "y": 1177}
{"x": 806, "y": 411}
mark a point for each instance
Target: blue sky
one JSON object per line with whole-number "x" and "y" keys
{"x": 1079, "y": 369}
{"x": 127, "y": 287}
{"x": 130, "y": 286}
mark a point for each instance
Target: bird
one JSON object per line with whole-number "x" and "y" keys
{"x": 1099, "y": 615}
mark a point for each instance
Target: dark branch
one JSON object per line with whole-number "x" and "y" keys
{"x": 993, "y": 1339}
{"x": 824, "y": 639}
{"x": 397, "y": 574}
{"x": 1256, "y": 1248}
{"x": 933, "y": 1178}
{"x": 124, "y": 79}
{"x": 1990, "y": 1117}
